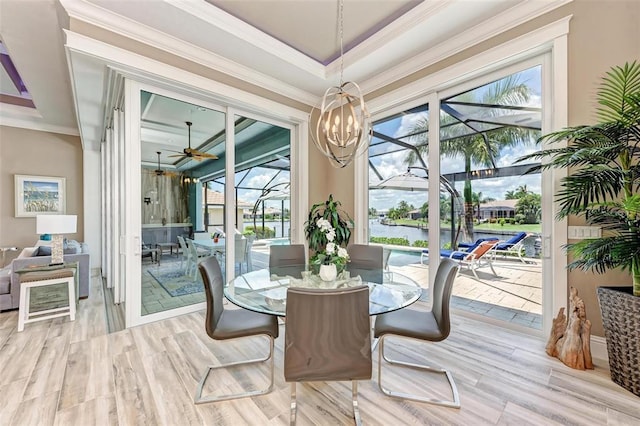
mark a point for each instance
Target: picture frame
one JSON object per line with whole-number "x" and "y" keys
{"x": 36, "y": 195}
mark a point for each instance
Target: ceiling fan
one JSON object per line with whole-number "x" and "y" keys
{"x": 161, "y": 172}
{"x": 193, "y": 153}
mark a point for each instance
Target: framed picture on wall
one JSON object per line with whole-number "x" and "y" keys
{"x": 39, "y": 195}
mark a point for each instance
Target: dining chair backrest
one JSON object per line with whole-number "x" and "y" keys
{"x": 186, "y": 254}
{"x": 337, "y": 347}
{"x": 201, "y": 235}
{"x": 364, "y": 256}
{"x": 442, "y": 288}
{"x": 247, "y": 253}
{"x": 213, "y": 292}
{"x": 286, "y": 255}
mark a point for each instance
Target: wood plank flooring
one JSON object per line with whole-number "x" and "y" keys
{"x": 59, "y": 372}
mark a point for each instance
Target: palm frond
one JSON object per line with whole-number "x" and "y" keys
{"x": 614, "y": 91}
{"x": 605, "y": 253}
{"x": 585, "y": 187}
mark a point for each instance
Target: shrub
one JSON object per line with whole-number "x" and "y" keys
{"x": 396, "y": 241}
{"x": 421, "y": 243}
{"x": 261, "y": 232}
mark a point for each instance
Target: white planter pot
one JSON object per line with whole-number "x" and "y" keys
{"x": 328, "y": 272}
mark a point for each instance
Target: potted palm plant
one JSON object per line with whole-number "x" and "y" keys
{"x": 603, "y": 187}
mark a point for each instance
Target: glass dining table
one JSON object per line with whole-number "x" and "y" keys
{"x": 265, "y": 290}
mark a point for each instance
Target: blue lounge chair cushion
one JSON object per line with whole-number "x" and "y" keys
{"x": 457, "y": 255}
{"x": 470, "y": 246}
{"x": 511, "y": 241}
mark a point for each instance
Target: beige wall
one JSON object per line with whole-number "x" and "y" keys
{"x": 29, "y": 152}
{"x": 603, "y": 34}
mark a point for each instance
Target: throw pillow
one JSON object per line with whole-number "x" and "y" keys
{"x": 46, "y": 251}
{"x": 43, "y": 251}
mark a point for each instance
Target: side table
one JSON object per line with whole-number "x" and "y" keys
{"x": 163, "y": 246}
{"x": 40, "y": 277}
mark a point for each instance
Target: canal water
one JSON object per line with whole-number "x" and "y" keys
{"x": 379, "y": 230}
{"x": 412, "y": 234}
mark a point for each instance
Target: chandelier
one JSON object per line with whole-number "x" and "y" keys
{"x": 341, "y": 131}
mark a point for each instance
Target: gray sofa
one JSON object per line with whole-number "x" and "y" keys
{"x": 10, "y": 290}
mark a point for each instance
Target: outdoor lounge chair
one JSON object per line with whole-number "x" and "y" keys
{"x": 474, "y": 259}
{"x": 466, "y": 246}
{"x": 462, "y": 247}
{"x": 514, "y": 245}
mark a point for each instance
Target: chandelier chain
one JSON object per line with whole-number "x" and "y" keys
{"x": 341, "y": 18}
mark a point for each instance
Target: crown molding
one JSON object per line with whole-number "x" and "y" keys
{"x": 505, "y": 21}
{"x": 136, "y": 31}
{"x": 527, "y": 44}
{"x": 355, "y": 58}
{"x": 409, "y": 20}
{"x": 240, "y": 29}
{"x": 40, "y": 127}
{"x": 28, "y": 118}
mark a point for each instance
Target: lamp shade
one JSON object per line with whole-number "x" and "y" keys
{"x": 56, "y": 223}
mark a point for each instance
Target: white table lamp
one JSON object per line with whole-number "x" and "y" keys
{"x": 56, "y": 225}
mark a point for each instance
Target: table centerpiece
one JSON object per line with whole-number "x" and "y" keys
{"x": 327, "y": 230}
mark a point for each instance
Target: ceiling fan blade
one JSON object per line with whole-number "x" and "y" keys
{"x": 176, "y": 155}
{"x": 204, "y": 155}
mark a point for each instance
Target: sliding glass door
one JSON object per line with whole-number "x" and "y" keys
{"x": 177, "y": 163}
{"x": 483, "y": 126}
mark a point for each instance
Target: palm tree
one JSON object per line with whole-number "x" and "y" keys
{"x": 479, "y": 148}
{"x": 478, "y": 199}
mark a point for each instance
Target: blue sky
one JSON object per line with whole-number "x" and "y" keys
{"x": 393, "y": 164}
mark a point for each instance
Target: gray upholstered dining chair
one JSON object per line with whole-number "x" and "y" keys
{"x": 221, "y": 324}
{"x": 286, "y": 255}
{"x": 364, "y": 256}
{"x": 327, "y": 338}
{"x": 366, "y": 261}
{"x": 433, "y": 326}
{"x": 286, "y": 260}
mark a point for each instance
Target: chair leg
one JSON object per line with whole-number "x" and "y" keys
{"x": 455, "y": 403}
{"x": 294, "y": 405}
{"x": 492, "y": 270}
{"x": 354, "y": 399}
{"x": 199, "y": 399}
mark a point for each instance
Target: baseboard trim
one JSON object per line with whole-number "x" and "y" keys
{"x": 599, "y": 348}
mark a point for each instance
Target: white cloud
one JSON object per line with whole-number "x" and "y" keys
{"x": 408, "y": 123}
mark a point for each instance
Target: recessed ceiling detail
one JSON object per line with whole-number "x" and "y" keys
{"x": 12, "y": 88}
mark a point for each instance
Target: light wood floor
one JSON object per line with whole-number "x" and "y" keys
{"x": 59, "y": 372}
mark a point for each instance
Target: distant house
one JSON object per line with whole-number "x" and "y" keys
{"x": 215, "y": 209}
{"x": 415, "y": 214}
{"x": 498, "y": 209}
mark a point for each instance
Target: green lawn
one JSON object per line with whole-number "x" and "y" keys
{"x": 533, "y": 228}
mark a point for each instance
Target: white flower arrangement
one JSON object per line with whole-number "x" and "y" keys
{"x": 332, "y": 253}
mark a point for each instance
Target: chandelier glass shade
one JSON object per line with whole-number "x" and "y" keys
{"x": 341, "y": 126}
